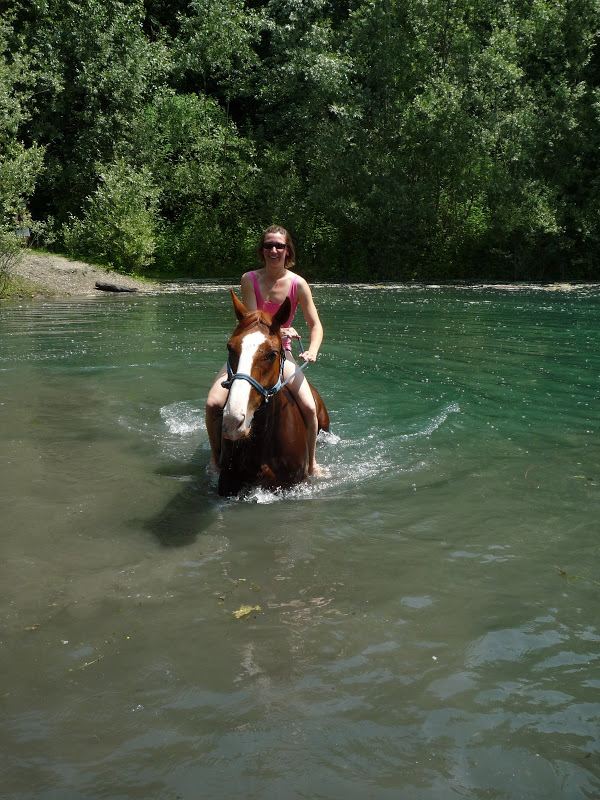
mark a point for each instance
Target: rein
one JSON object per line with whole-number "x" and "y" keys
{"x": 266, "y": 393}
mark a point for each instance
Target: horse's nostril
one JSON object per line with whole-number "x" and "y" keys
{"x": 235, "y": 426}
{"x": 234, "y": 421}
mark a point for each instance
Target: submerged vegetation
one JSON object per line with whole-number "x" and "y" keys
{"x": 440, "y": 139}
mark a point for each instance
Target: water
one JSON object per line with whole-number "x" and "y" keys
{"x": 414, "y": 639}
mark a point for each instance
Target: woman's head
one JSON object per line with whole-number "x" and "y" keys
{"x": 270, "y": 234}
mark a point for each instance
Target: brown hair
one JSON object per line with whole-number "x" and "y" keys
{"x": 290, "y": 257}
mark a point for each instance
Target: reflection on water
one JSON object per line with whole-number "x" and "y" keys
{"x": 414, "y": 638}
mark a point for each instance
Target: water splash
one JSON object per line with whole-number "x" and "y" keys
{"x": 352, "y": 462}
{"x": 183, "y": 418}
{"x": 433, "y": 425}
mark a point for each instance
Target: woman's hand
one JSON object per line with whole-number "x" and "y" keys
{"x": 309, "y": 355}
{"x": 291, "y": 332}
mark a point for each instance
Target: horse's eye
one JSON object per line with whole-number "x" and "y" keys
{"x": 271, "y": 356}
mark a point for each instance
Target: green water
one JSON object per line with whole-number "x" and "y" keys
{"x": 414, "y": 640}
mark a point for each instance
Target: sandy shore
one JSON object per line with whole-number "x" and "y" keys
{"x": 48, "y": 275}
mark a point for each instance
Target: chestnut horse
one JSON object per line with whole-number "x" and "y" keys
{"x": 264, "y": 440}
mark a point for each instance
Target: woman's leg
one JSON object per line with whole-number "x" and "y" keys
{"x": 215, "y": 402}
{"x": 300, "y": 388}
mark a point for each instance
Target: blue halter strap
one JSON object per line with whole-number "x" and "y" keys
{"x": 266, "y": 393}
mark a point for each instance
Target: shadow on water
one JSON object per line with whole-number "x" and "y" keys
{"x": 191, "y": 510}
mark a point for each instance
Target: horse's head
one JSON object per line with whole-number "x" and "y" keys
{"x": 255, "y": 350}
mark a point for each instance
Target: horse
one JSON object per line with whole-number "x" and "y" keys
{"x": 264, "y": 439}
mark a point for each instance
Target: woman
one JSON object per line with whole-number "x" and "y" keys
{"x": 266, "y": 289}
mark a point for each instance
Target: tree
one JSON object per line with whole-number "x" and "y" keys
{"x": 20, "y": 165}
{"x": 94, "y": 69}
{"x": 118, "y": 228}
{"x": 422, "y": 138}
{"x": 204, "y": 171}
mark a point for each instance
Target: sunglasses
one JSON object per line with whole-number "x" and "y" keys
{"x": 276, "y": 245}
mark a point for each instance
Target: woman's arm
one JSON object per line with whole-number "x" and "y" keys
{"x": 248, "y": 296}
{"x": 311, "y": 315}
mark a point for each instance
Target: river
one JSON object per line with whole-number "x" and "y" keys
{"x": 425, "y": 620}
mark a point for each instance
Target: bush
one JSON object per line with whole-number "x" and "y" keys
{"x": 10, "y": 252}
{"x": 119, "y": 225}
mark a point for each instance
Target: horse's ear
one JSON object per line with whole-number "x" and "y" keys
{"x": 282, "y": 314}
{"x": 239, "y": 308}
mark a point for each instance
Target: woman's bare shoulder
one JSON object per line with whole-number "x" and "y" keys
{"x": 302, "y": 285}
{"x": 295, "y": 277}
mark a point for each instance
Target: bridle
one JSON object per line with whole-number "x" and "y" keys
{"x": 266, "y": 393}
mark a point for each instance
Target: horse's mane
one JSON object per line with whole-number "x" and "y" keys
{"x": 254, "y": 319}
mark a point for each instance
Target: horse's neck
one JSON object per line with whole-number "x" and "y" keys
{"x": 270, "y": 417}
{"x": 267, "y": 411}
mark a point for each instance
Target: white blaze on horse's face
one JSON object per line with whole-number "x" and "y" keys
{"x": 237, "y": 414}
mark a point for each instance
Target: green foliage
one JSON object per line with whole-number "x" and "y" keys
{"x": 204, "y": 170}
{"x": 9, "y": 255}
{"x": 214, "y": 45}
{"x": 20, "y": 164}
{"x": 413, "y": 139}
{"x": 118, "y": 228}
{"x": 94, "y": 69}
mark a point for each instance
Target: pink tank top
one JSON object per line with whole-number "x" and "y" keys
{"x": 271, "y": 308}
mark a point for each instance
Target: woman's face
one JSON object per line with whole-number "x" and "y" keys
{"x": 275, "y": 249}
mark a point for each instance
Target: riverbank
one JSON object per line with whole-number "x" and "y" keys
{"x": 47, "y": 275}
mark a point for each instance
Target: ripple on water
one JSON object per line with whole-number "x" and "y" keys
{"x": 411, "y": 644}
